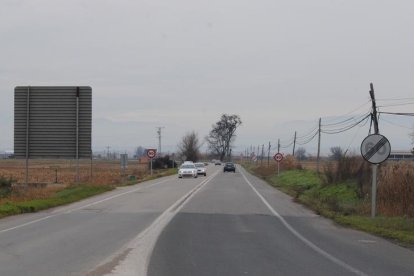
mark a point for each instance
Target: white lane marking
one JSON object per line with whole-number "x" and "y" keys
{"x": 302, "y": 238}
{"x": 27, "y": 223}
{"x": 78, "y": 208}
{"x": 140, "y": 248}
{"x": 114, "y": 196}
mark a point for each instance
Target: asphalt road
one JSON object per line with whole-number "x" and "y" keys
{"x": 222, "y": 224}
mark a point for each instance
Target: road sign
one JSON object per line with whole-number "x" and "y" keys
{"x": 278, "y": 157}
{"x": 253, "y": 157}
{"x": 151, "y": 153}
{"x": 124, "y": 161}
{"x": 375, "y": 148}
{"x": 52, "y": 122}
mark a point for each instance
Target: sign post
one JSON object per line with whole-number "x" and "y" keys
{"x": 375, "y": 149}
{"x": 151, "y": 153}
{"x": 278, "y": 158}
{"x": 124, "y": 162}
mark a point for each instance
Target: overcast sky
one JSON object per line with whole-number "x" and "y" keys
{"x": 279, "y": 65}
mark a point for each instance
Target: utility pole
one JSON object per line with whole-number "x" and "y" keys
{"x": 107, "y": 152}
{"x": 319, "y": 146}
{"x": 159, "y": 140}
{"x": 278, "y": 145}
{"x": 261, "y": 163}
{"x": 294, "y": 145}
{"x": 374, "y": 118}
{"x": 268, "y": 155}
{"x": 374, "y": 109}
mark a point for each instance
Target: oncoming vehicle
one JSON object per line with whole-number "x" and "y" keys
{"x": 229, "y": 167}
{"x": 201, "y": 168}
{"x": 217, "y": 162}
{"x": 187, "y": 169}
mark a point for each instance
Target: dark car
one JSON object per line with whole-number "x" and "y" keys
{"x": 229, "y": 167}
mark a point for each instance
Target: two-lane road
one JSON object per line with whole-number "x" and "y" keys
{"x": 222, "y": 224}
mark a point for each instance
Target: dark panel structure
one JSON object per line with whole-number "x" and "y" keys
{"x": 52, "y": 122}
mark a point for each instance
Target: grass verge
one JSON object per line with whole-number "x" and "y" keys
{"x": 69, "y": 195}
{"x": 62, "y": 197}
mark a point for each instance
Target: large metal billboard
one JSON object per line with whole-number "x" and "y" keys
{"x": 52, "y": 122}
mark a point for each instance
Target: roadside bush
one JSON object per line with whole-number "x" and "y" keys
{"x": 5, "y": 186}
{"x": 290, "y": 163}
{"x": 347, "y": 169}
{"x": 163, "y": 163}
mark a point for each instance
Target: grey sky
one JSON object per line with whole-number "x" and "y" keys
{"x": 180, "y": 64}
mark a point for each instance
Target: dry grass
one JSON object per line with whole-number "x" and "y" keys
{"x": 43, "y": 172}
{"x": 42, "y": 176}
{"x": 396, "y": 189}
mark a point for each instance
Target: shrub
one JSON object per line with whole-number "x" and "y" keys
{"x": 346, "y": 169}
{"x": 5, "y": 186}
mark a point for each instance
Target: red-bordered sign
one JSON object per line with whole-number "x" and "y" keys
{"x": 151, "y": 153}
{"x": 278, "y": 157}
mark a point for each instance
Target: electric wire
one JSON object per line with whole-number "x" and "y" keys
{"x": 336, "y": 131}
{"x": 395, "y": 124}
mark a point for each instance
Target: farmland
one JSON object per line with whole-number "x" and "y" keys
{"x": 63, "y": 172}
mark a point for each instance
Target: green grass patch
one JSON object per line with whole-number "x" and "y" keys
{"x": 397, "y": 229}
{"x": 65, "y": 196}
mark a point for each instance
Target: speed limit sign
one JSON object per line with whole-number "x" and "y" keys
{"x": 278, "y": 157}
{"x": 151, "y": 153}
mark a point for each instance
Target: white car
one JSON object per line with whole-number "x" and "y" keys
{"x": 201, "y": 168}
{"x": 187, "y": 169}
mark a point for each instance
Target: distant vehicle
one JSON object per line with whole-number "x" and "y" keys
{"x": 217, "y": 162}
{"x": 187, "y": 169}
{"x": 229, "y": 167}
{"x": 201, "y": 168}
{"x": 188, "y": 162}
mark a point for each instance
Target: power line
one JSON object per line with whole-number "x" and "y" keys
{"x": 399, "y": 104}
{"x": 397, "y": 113}
{"x": 336, "y": 131}
{"x": 391, "y": 123}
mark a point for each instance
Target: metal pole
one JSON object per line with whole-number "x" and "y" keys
{"x": 77, "y": 134}
{"x": 294, "y": 145}
{"x": 374, "y": 190}
{"x": 91, "y": 165}
{"x": 151, "y": 166}
{"x": 319, "y": 145}
{"x": 278, "y": 168}
{"x": 374, "y": 167}
{"x": 27, "y": 135}
{"x": 278, "y": 145}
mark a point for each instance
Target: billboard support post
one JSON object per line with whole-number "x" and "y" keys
{"x": 77, "y": 134}
{"x": 27, "y": 136}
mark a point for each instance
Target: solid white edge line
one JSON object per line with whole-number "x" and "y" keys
{"x": 302, "y": 238}
{"x": 78, "y": 208}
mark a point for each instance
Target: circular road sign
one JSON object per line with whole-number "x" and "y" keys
{"x": 375, "y": 148}
{"x": 278, "y": 157}
{"x": 151, "y": 153}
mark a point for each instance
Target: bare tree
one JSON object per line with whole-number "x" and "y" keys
{"x": 222, "y": 135}
{"x": 139, "y": 151}
{"x": 337, "y": 153}
{"x": 189, "y": 147}
{"x": 412, "y": 140}
{"x": 300, "y": 154}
